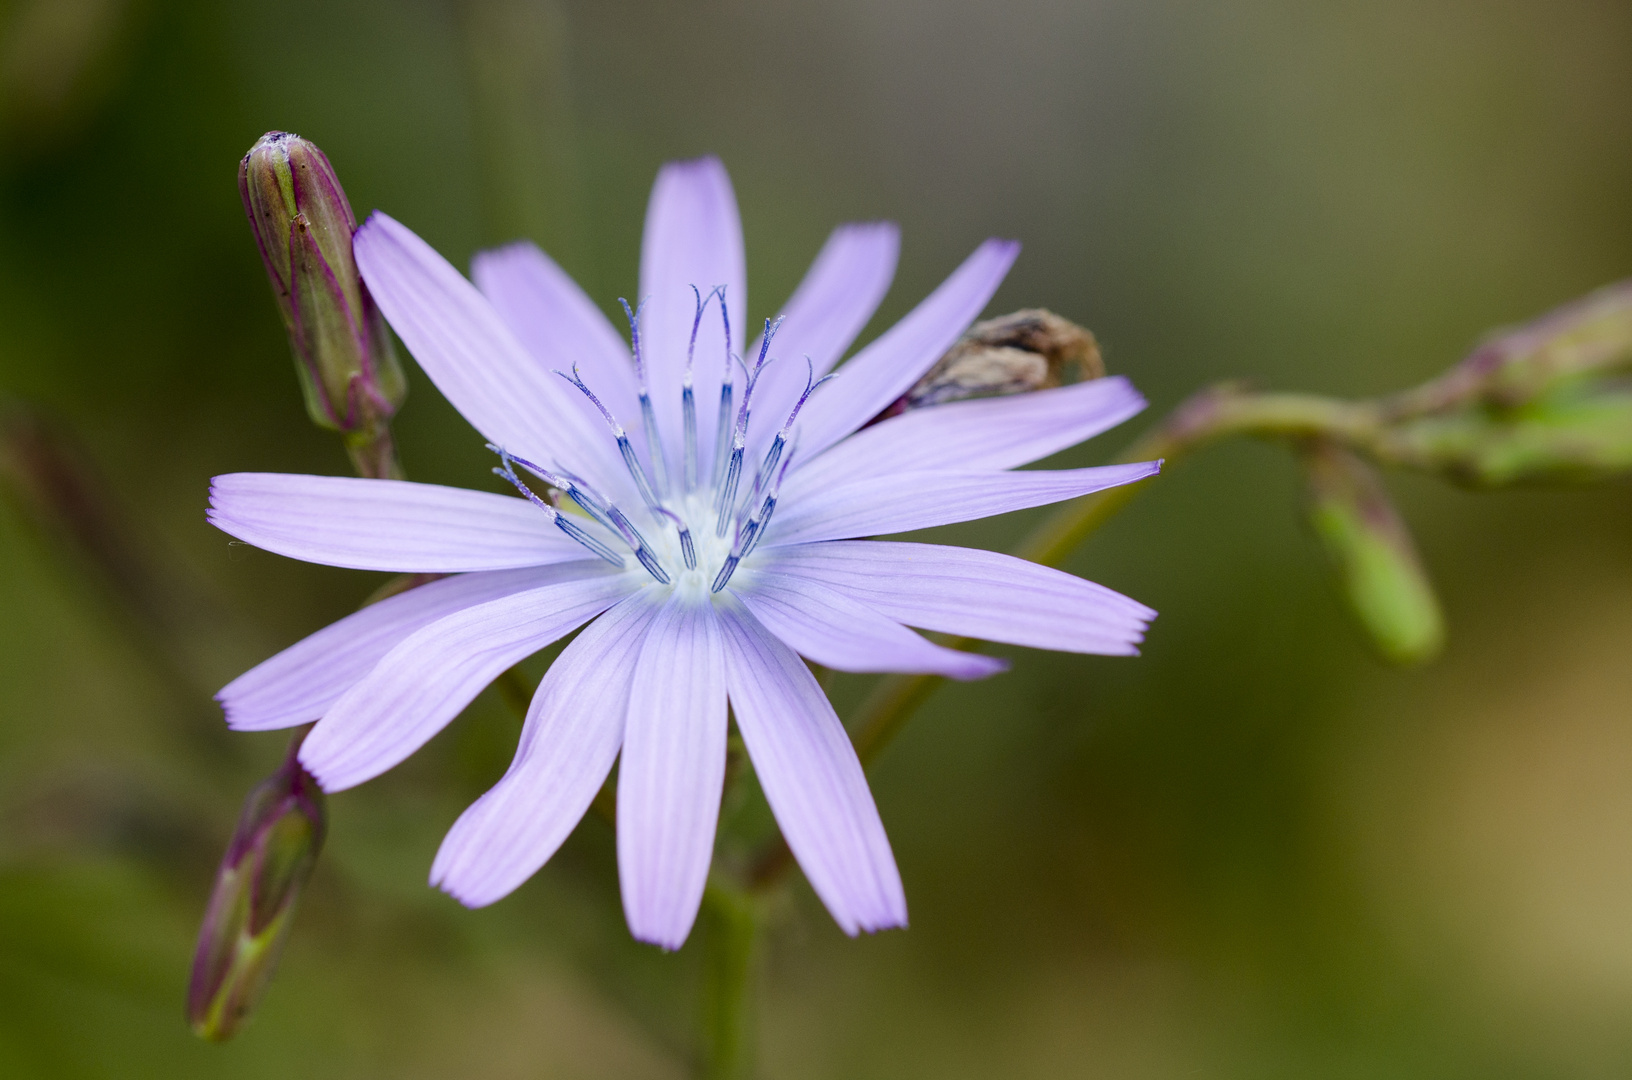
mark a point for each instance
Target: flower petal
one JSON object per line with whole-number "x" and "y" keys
{"x": 918, "y": 500}
{"x": 672, "y": 771}
{"x": 832, "y": 629}
{"x": 302, "y": 682}
{"x": 477, "y": 363}
{"x": 573, "y": 731}
{"x": 976, "y": 593}
{"x": 693, "y": 238}
{"x": 872, "y": 379}
{"x": 840, "y": 292}
{"x": 811, "y": 777}
{"x": 992, "y": 433}
{"x": 558, "y": 323}
{"x": 385, "y": 524}
{"x": 429, "y": 678}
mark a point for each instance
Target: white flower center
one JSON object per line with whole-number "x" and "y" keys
{"x": 694, "y": 535}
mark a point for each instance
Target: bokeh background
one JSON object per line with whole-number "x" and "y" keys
{"x": 1253, "y": 852}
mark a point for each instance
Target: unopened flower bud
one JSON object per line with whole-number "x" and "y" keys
{"x": 1587, "y": 336}
{"x": 303, "y": 226}
{"x": 1580, "y": 432}
{"x": 1584, "y": 339}
{"x": 1028, "y": 350}
{"x": 1378, "y": 568}
{"x": 256, "y": 889}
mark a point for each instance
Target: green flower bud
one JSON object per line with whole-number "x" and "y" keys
{"x": 1369, "y": 546}
{"x": 252, "y": 908}
{"x": 303, "y": 226}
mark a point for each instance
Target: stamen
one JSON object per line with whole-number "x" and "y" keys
{"x": 762, "y": 520}
{"x": 575, "y": 487}
{"x": 781, "y": 440}
{"x": 688, "y": 403}
{"x": 593, "y": 545}
{"x": 648, "y": 419}
{"x": 630, "y": 461}
{"x": 653, "y": 567}
{"x": 687, "y": 550}
{"x": 739, "y": 438}
{"x": 726, "y": 570}
{"x": 752, "y": 529}
{"x": 728, "y": 493}
{"x": 722, "y": 434}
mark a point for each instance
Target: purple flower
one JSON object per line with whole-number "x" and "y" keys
{"x": 709, "y": 545}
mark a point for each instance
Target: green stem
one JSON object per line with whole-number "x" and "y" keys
{"x": 730, "y": 932}
{"x": 373, "y": 452}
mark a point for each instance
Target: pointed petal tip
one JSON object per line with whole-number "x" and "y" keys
{"x": 376, "y": 222}
{"x": 471, "y": 899}
{"x": 978, "y": 667}
{"x": 667, "y": 940}
{"x": 881, "y": 228}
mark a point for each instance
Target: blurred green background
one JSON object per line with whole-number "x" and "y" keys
{"x": 1253, "y": 852}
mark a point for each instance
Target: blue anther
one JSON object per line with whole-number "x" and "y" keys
{"x": 576, "y": 487}
{"x": 594, "y": 546}
{"x": 688, "y": 551}
{"x": 653, "y": 567}
{"x": 722, "y": 436}
{"x": 728, "y": 491}
{"x": 630, "y": 461}
{"x": 648, "y": 419}
{"x": 725, "y": 573}
{"x": 764, "y": 522}
{"x": 688, "y": 401}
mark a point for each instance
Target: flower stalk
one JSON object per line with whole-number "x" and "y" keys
{"x": 731, "y": 931}
{"x": 1546, "y": 403}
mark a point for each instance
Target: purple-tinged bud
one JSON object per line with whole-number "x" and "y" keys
{"x": 303, "y": 226}
{"x": 1587, "y": 338}
{"x": 1029, "y": 350}
{"x": 252, "y": 907}
{"x": 1371, "y": 550}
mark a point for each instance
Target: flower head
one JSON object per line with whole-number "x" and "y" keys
{"x": 697, "y": 501}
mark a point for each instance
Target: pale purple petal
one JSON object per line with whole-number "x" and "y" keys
{"x": 884, "y": 370}
{"x": 811, "y": 777}
{"x": 672, "y": 771}
{"x": 975, "y": 593}
{"x": 386, "y": 524}
{"x": 840, "y": 292}
{"x": 573, "y": 731}
{"x": 693, "y": 237}
{"x": 993, "y": 433}
{"x": 302, "y": 682}
{"x": 428, "y": 679}
{"x": 559, "y": 324}
{"x": 832, "y": 629}
{"x": 919, "y": 500}
{"x": 477, "y": 363}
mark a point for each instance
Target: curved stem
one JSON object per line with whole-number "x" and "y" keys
{"x": 1211, "y": 414}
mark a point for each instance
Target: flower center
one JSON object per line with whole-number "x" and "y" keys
{"x": 695, "y": 534}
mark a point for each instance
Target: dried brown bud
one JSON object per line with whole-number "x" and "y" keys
{"x": 1029, "y": 350}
